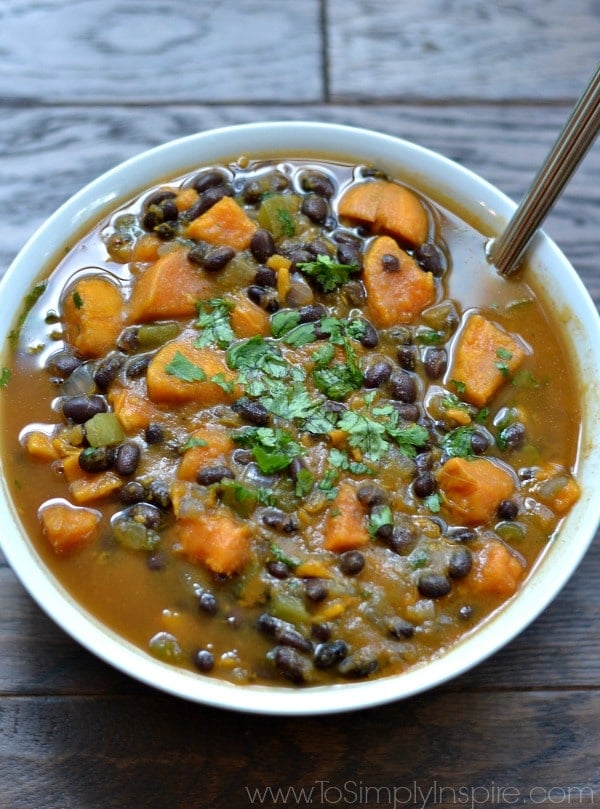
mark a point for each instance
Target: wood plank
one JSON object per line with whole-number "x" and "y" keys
{"x": 112, "y": 52}
{"x": 561, "y": 648}
{"x": 445, "y": 51}
{"x": 155, "y": 752}
{"x": 68, "y": 147}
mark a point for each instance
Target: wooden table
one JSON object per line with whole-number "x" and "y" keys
{"x": 85, "y": 85}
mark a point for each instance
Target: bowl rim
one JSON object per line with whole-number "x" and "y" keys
{"x": 124, "y": 181}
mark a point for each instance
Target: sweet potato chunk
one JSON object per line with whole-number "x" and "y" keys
{"x": 216, "y": 539}
{"x": 496, "y": 571}
{"x": 169, "y": 288}
{"x": 179, "y": 372}
{"x": 345, "y": 527}
{"x": 93, "y": 315}
{"x": 225, "y": 224}
{"x": 395, "y": 296}
{"x": 247, "y": 319}
{"x": 473, "y": 488}
{"x": 68, "y": 527}
{"x": 209, "y": 446}
{"x": 133, "y": 410}
{"x": 388, "y": 208}
{"x": 485, "y": 357}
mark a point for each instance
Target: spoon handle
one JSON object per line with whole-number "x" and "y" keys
{"x": 580, "y": 131}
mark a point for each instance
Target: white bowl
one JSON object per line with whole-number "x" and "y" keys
{"x": 441, "y": 179}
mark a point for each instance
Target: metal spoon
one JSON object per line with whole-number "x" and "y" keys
{"x": 506, "y": 251}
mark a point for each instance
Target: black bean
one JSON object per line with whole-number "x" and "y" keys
{"x": 279, "y": 520}
{"x": 252, "y": 411}
{"x": 423, "y": 461}
{"x": 158, "y": 196}
{"x": 311, "y": 313}
{"x": 158, "y": 494}
{"x": 213, "y": 474}
{"x": 146, "y": 514}
{"x": 513, "y": 436}
{"x": 291, "y": 664}
{"x": 262, "y": 245}
{"x": 169, "y": 210}
{"x": 479, "y": 443}
{"x": 154, "y": 433}
{"x": 407, "y": 357}
{"x": 316, "y": 590}
{"x": 207, "y": 603}
{"x": 403, "y": 387}
{"x": 208, "y": 179}
{"x": 81, "y": 408}
{"x": 317, "y": 182}
{"x": 283, "y": 632}
{"x": 218, "y": 258}
{"x": 352, "y": 562}
{"x": 435, "y": 362}
{"x": 401, "y": 628}
{"x": 96, "y": 459}
{"x": 131, "y": 492}
{"x": 355, "y": 293}
{"x": 242, "y": 457}
{"x": 63, "y": 363}
{"x": 166, "y": 231}
{"x": 320, "y": 632}
{"x": 349, "y": 254}
{"x": 401, "y": 541}
{"x": 433, "y": 585}
{"x": 461, "y": 534}
{"x": 129, "y": 340}
{"x": 298, "y": 255}
{"x": 334, "y": 407}
{"x": 203, "y": 660}
{"x": 429, "y": 258}
{"x": 407, "y": 412}
{"x": 357, "y": 666}
{"x": 377, "y": 374}
{"x": 197, "y": 252}
{"x": 369, "y": 338}
{"x": 127, "y": 458}
{"x": 265, "y": 277}
{"x": 318, "y": 247}
{"x": 209, "y": 198}
{"x": 329, "y": 653}
{"x": 461, "y": 561}
{"x": 508, "y": 510}
{"x": 424, "y": 484}
{"x": 279, "y": 570}
{"x": 107, "y": 370}
{"x": 370, "y": 494}
{"x": 263, "y": 297}
{"x": 390, "y": 263}
{"x": 137, "y": 366}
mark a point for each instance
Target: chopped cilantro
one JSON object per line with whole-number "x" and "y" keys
{"x": 305, "y": 481}
{"x": 300, "y": 335}
{"x": 338, "y": 380}
{"x": 504, "y": 356}
{"x": 284, "y": 321}
{"x": 418, "y": 559}
{"x": 192, "y": 442}
{"x": 365, "y": 434}
{"x": 323, "y": 355}
{"x": 280, "y": 556}
{"x": 457, "y": 443}
{"x": 286, "y": 222}
{"x": 378, "y": 518}
{"x": 408, "y": 438}
{"x": 433, "y": 502}
{"x": 184, "y": 369}
{"x": 257, "y": 355}
{"x": 77, "y": 300}
{"x": 272, "y": 448}
{"x": 225, "y": 384}
{"x": 328, "y": 274}
{"x": 213, "y": 319}
{"x": 4, "y": 377}
{"x": 525, "y": 379}
{"x": 458, "y": 385}
{"x": 429, "y": 337}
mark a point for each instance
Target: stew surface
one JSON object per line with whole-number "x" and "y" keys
{"x": 279, "y": 422}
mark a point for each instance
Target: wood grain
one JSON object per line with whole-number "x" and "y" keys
{"x": 461, "y": 49}
{"x": 157, "y": 752}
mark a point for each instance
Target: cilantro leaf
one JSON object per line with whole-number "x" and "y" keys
{"x": 284, "y": 321}
{"x": 378, "y": 518}
{"x": 300, "y": 335}
{"x": 457, "y": 443}
{"x": 408, "y": 438}
{"x": 305, "y": 480}
{"x": 365, "y": 434}
{"x": 4, "y": 377}
{"x": 273, "y": 449}
{"x": 338, "y": 380}
{"x": 279, "y": 556}
{"x": 213, "y": 319}
{"x": 184, "y": 369}
{"x": 257, "y": 355}
{"x": 328, "y": 274}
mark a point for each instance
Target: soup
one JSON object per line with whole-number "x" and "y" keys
{"x": 279, "y": 422}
